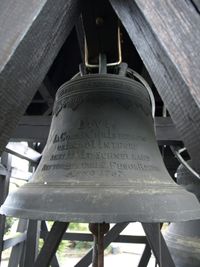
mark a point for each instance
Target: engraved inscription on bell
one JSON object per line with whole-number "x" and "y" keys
{"x": 99, "y": 141}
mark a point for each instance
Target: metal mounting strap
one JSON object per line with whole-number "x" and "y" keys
{"x": 119, "y": 61}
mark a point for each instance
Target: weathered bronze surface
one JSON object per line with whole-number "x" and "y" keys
{"x": 183, "y": 239}
{"x": 101, "y": 162}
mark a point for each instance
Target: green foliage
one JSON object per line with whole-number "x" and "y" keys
{"x": 71, "y": 247}
{"x": 79, "y": 227}
{"x": 8, "y": 224}
{"x": 83, "y": 245}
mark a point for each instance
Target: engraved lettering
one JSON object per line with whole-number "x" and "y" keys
{"x": 140, "y": 157}
{"x": 56, "y": 139}
{"x": 66, "y": 166}
{"x": 96, "y": 124}
{"x": 84, "y": 144}
{"x": 135, "y": 166}
{"x": 116, "y": 145}
{"x": 57, "y": 157}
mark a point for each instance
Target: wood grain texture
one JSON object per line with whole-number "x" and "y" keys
{"x": 166, "y": 34}
{"x": 31, "y": 35}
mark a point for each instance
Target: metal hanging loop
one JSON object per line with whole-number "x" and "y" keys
{"x": 110, "y": 64}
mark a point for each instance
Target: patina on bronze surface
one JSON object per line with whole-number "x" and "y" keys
{"x": 101, "y": 162}
{"x": 183, "y": 238}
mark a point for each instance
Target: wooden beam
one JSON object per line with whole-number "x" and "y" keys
{"x": 14, "y": 240}
{"x": 22, "y": 151}
{"x": 89, "y": 238}
{"x": 166, "y": 35}
{"x": 166, "y": 132}
{"x": 32, "y": 242}
{"x": 20, "y": 175}
{"x": 32, "y": 33}
{"x": 44, "y": 229}
{"x": 4, "y": 188}
{"x": 158, "y": 244}
{"x": 45, "y": 91}
{"x": 51, "y": 244}
{"x": 36, "y": 128}
{"x": 32, "y": 128}
{"x": 146, "y": 255}
{"x": 16, "y": 252}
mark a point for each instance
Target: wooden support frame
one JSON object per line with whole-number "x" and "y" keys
{"x": 166, "y": 36}
{"x": 4, "y": 188}
{"x": 28, "y": 47}
{"x": 23, "y": 152}
{"x": 89, "y": 238}
{"x": 158, "y": 244}
{"x": 16, "y": 253}
{"x": 51, "y": 244}
{"x": 44, "y": 229}
{"x": 32, "y": 242}
{"x": 145, "y": 256}
{"x": 13, "y": 241}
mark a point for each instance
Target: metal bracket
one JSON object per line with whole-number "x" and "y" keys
{"x": 111, "y": 64}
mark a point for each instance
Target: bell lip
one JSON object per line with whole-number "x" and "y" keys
{"x": 154, "y": 208}
{"x": 84, "y": 218}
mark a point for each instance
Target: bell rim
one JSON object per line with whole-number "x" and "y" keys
{"x": 155, "y": 208}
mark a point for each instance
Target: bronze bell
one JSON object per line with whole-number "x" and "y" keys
{"x": 183, "y": 238}
{"x": 101, "y": 162}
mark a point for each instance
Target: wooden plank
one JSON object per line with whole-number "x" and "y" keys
{"x": 166, "y": 35}
{"x": 43, "y": 89}
{"x": 4, "y": 188}
{"x": 166, "y": 132}
{"x": 51, "y": 244}
{"x": 32, "y": 33}
{"x": 80, "y": 35}
{"x": 89, "y": 238}
{"x": 14, "y": 240}
{"x": 22, "y": 151}
{"x": 146, "y": 255}
{"x": 20, "y": 175}
{"x": 44, "y": 229}
{"x": 32, "y": 128}
{"x": 16, "y": 253}
{"x": 158, "y": 244}
{"x": 32, "y": 242}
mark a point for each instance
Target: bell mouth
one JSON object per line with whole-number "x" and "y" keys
{"x": 97, "y": 205}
